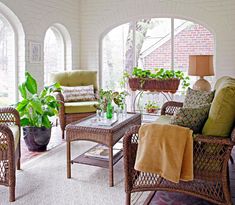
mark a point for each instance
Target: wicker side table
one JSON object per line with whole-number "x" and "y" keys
{"x": 109, "y": 136}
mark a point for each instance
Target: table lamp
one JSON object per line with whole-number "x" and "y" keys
{"x": 201, "y": 65}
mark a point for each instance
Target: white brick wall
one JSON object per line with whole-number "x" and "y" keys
{"x": 97, "y": 17}
{"x": 37, "y": 16}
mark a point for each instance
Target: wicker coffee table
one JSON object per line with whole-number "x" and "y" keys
{"x": 107, "y": 135}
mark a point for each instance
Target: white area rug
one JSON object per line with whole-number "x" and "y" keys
{"x": 43, "y": 181}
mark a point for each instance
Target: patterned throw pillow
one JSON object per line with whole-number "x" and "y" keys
{"x": 195, "y": 98}
{"x": 193, "y": 118}
{"x": 78, "y": 93}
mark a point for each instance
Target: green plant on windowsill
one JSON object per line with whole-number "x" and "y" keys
{"x": 151, "y": 107}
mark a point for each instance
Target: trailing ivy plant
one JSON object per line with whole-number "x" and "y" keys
{"x": 35, "y": 109}
{"x": 162, "y": 74}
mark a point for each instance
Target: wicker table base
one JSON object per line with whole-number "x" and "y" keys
{"x": 109, "y": 136}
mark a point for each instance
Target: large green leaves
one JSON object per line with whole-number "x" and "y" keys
{"x": 22, "y": 89}
{"x": 31, "y": 84}
{"x": 36, "y": 104}
{"x": 22, "y": 105}
{"x": 46, "y": 122}
{"x": 24, "y": 122}
{"x": 35, "y": 109}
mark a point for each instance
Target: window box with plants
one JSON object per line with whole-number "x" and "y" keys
{"x": 35, "y": 110}
{"x": 159, "y": 80}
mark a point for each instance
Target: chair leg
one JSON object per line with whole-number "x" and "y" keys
{"x": 231, "y": 159}
{"x": 18, "y": 164}
{"x": 12, "y": 193}
{"x": 128, "y": 198}
{"x": 62, "y": 134}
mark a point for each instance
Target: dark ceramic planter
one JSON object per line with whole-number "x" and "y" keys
{"x": 37, "y": 138}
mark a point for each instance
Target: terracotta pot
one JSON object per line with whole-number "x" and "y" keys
{"x": 37, "y": 138}
{"x": 151, "y": 110}
{"x": 149, "y": 84}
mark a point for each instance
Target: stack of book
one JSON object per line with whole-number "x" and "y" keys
{"x": 102, "y": 152}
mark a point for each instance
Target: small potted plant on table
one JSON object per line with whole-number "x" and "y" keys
{"x": 151, "y": 107}
{"x": 106, "y": 97}
{"x": 35, "y": 110}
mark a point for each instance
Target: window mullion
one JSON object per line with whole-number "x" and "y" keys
{"x": 134, "y": 43}
{"x": 172, "y": 43}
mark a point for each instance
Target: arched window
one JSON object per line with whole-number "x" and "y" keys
{"x": 7, "y": 63}
{"x": 57, "y": 51}
{"x": 12, "y": 55}
{"x": 152, "y": 43}
{"x": 53, "y": 52}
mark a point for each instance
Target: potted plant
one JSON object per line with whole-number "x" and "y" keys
{"x": 106, "y": 97}
{"x": 35, "y": 110}
{"x": 160, "y": 80}
{"x": 151, "y": 107}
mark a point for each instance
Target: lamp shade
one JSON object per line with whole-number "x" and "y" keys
{"x": 201, "y": 65}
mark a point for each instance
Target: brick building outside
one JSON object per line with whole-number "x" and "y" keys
{"x": 193, "y": 40}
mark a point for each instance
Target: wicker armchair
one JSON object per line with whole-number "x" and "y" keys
{"x": 9, "y": 148}
{"x": 211, "y": 176}
{"x": 68, "y": 111}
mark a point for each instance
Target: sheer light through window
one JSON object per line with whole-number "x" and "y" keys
{"x": 54, "y": 59}
{"x": 7, "y": 63}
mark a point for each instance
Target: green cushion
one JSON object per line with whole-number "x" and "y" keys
{"x": 16, "y": 134}
{"x": 80, "y": 107}
{"x": 222, "y": 113}
{"x": 75, "y": 78}
{"x": 163, "y": 119}
{"x": 221, "y": 81}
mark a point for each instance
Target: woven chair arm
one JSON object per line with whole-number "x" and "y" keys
{"x": 60, "y": 96}
{"x": 213, "y": 140}
{"x": 6, "y": 139}
{"x": 169, "y": 107}
{"x": 210, "y": 156}
{"x": 9, "y": 116}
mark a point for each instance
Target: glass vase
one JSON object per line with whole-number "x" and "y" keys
{"x": 109, "y": 111}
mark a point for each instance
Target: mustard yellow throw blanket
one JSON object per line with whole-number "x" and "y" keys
{"x": 166, "y": 150}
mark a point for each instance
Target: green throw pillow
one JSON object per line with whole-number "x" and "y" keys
{"x": 193, "y": 118}
{"x": 195, "y": 98}
{"x": 222, "y": 113}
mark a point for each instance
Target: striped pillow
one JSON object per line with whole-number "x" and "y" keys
{"x": 78, "y": 93}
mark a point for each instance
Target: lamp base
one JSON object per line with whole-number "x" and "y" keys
{"x": 202, "y": 85}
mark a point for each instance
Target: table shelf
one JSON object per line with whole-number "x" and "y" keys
{"x": 95, "y": 161}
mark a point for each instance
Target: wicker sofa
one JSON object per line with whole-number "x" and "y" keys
{"x": 9, "y": 148}
{"x": 210, "y": 182}
{"x": 210, "y": 163}
{"x": 72, "y": 111}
